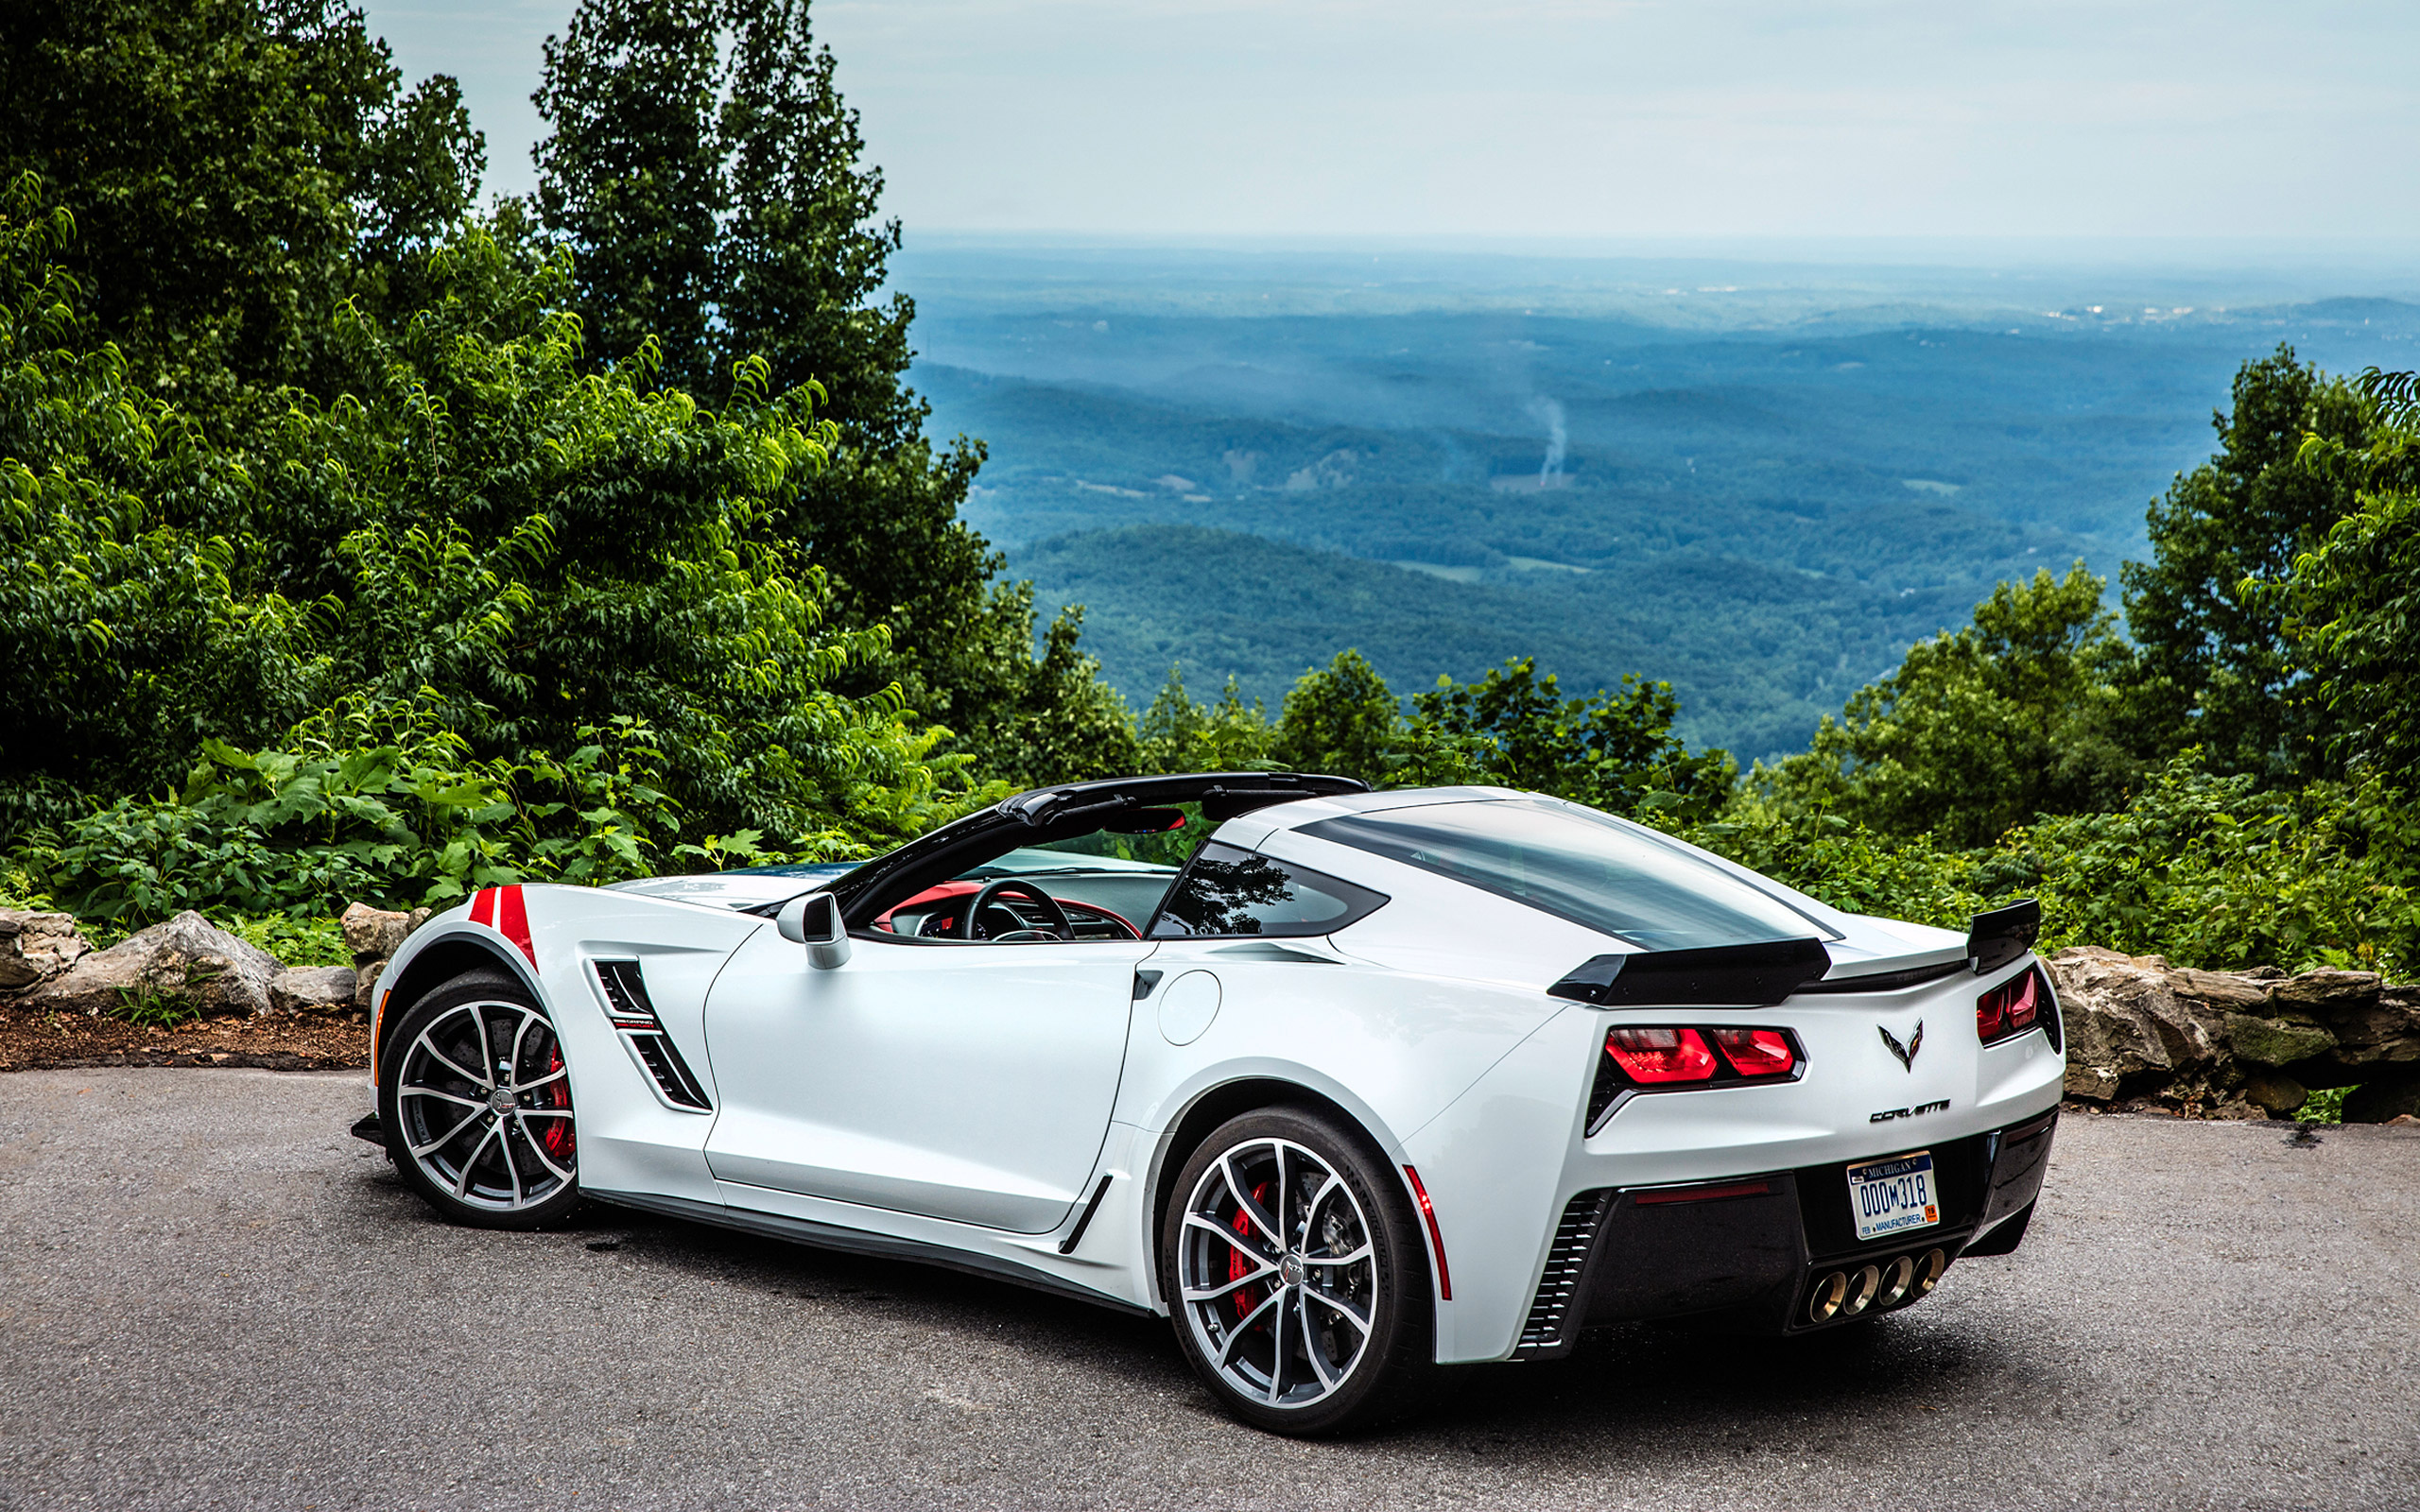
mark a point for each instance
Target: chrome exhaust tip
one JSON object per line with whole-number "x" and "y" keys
{"x": 1826, "y": 1298}
{"x": 1898, "y": 1283}
{"x": 1929, "y": 1272}
{"x": 1861, "y": 1289}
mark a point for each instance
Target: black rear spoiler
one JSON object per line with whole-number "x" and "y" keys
{"x": 1995, "y": 939}
{"x": 1731, "y": 976}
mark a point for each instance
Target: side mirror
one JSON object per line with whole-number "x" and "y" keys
{"x": 814, "y": 921}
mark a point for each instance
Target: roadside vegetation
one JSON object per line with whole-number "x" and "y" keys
{"x": 358, "y": 542}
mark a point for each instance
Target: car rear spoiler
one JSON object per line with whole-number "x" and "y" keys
{"x": 1731, "y": 976}
{"x": 1995, "y": 939}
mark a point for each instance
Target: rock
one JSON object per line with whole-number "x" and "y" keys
{"x": 313, "y": 989}
{"x": 2382, "y": 1102}
{"x": 2219, "y": 1043}
{"x": 2277, "y": 1094}
{"x": 2125, "y": 1022}
{"x": 187, "y": 961}
{"x": 2326, "y": 990}
{"x": 373, "y": 936}
{"x": 2403, "y": 1121}
{"x": 35, "y": 947}
{"x": 2275, "y": 1041}
{"x": 2384, "y": 1032}
{"x": 2224, "y": 989}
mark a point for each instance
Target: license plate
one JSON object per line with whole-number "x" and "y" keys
{"x": 1893, "y": 1195}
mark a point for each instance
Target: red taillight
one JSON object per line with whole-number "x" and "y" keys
{"x": 2008, "y": 1009}
{"x": 1658, "y": 1055}
{"x": 1757, "y": 1051}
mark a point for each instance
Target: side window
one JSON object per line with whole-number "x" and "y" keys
{"x": 1227, "y": 892}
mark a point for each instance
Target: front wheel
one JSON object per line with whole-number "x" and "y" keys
{"x": 1297, "y": 1275}
{"x": 478, "y": 1103}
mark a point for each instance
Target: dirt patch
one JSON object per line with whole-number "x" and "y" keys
{"x": 32, "y": 1040}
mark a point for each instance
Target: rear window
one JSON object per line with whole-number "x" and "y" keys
{"x": 1578, "y": 864}
{"x": 1226, "y": 892}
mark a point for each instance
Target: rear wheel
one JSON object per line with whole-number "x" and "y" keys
{"x": 1297, "y": 1275}
{"x": 477, "y": 1101}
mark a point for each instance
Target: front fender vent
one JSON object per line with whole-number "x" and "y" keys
{"x": 634, "y": 1013}
{"x": 1555, "y": 1315}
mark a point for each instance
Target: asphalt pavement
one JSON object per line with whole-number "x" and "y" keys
{"x": 210, "y": 1297}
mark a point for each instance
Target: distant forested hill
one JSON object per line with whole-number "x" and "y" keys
{"x": 1745, "y": 645}
{"x": 1766, "y": 512}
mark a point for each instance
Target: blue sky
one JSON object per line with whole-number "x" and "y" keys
{"x": 1591, "y": 121}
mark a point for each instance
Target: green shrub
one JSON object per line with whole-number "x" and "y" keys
{"x": 2209, "y": 871}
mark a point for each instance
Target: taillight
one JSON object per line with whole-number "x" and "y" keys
{"x": 2008, "y": 1009}
{"x": 1656, "y": 1056}
{"x": 1678, "y": 1055}
{"x": 1757, "y": 1051}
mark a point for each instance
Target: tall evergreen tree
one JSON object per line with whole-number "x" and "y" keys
{"x": 706, "y": 173}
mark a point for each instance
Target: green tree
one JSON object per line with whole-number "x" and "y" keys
{"x": 477, "y": 525}
{"x": 2024, "y": 711}
{"x": 2352, "y": 600}
{"x": 2219, "y": 668}
{"x": 1514, "y": 727}
{"x": 1341, "y": 718}
{"x": 1179, "y": 735}
{"x": 238, "y": 169}
{"x": 705, "y": 172}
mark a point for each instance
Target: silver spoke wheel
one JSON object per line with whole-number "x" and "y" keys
{"x": 1278, "y": 1273}
{"x": 485, "y": 1106}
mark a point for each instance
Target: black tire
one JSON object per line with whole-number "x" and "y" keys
{"x": 1276, "y": 1342}
{"x": 489, "y": 1142}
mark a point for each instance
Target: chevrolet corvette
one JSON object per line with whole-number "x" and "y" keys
{"x": 1350, "y": 1086}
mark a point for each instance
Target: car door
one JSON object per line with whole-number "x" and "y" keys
{"x": 962, "y": 1080}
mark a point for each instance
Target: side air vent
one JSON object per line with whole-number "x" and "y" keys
{"x": 663, "y": 1061}
{"x": 1555, "y": 1315}
{"x": 634, "y": 1013}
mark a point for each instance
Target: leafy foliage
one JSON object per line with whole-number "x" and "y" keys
{"x": 538, "y": 551}
{"x": 1179, "y": 735}
{"x": 1341, "y": 718}
{"x": 2222, "y": 672}
{"x": 238, "y": 170}
{"x": 2353, "y": 599}
{"x": 703, "y": 171}
{"x": 2210, "y": 870}
{"x": 2024, "y": 711}
{"x": 384, "y": 805}
{"x": 1512, "y": 728}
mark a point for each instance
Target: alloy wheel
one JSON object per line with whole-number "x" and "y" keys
{"x": 485, "y": 1106}
{"x": 1278, "y": 1274}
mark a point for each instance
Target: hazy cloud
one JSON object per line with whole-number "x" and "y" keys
{"x": 1694, "y": 117}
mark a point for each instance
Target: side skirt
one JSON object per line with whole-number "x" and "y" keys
{"x": 859, "y": 1242}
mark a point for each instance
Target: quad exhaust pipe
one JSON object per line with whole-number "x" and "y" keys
{"x": 1879, "y": 1288}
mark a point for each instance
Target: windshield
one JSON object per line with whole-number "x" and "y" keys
{"x": 1578, "y": 864}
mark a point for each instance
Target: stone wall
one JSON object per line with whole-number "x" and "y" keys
{"x": 2235, "y": 1044}
{"x": 189, "y": 964}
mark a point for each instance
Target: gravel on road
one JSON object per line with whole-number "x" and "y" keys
{"x": 211, "y": 1297}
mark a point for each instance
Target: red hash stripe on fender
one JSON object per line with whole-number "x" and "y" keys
{"x": 501, "y": 909}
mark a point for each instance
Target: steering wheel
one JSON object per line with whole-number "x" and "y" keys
{"x": 1025, "y": 890}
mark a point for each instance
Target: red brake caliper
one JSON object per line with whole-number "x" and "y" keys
{"x": 1237, "y": 1267}
{"x": 556, "y": 1139}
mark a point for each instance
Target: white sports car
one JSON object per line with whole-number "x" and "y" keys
{"x": 1367, "y": 1084}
